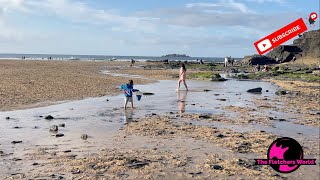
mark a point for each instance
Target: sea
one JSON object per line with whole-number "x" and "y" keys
{"x": 61, "y": 57}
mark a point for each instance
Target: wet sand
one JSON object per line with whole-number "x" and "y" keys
{"x": 199, "y": 134}
{"x": 36, "y": 83}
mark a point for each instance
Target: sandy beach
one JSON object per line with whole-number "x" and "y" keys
{"x": 214, "y": 131}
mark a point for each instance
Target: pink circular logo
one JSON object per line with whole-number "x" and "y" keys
{"x": 285, "y": 149}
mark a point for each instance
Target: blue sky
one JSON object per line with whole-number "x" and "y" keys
{"x": 213, "y": 28}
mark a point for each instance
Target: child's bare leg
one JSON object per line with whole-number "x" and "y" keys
{"x": 125, "y": 103}
{"x": 185, "y": 84}
{"x": 132, "y": 104}
{"x": 179, "y": 84}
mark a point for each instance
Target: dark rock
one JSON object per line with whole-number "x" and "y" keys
{"x": 16, "y": 142}
{"x": 220, "y": 136}
{"x": 49, "y": 117}
{"x": 217, "y": 77}
{"x": 243, "y": 148}
{"x": 281, "y": 92}
{"x": 35, "y": 164}
{"x": 7, "y": 118}
{"x": 62, "y": 125}
{"x": 206, "y": 90}
{"x": 222, "y": 99}
{"x": 204, "y": 116}
{"x": 16, "y": 159}
{"x": 250, "y": 164}
{"x": 217, "y": 94}
{"x": 76, "y": 171}
{"x": 107, "y": 100}
{"x": 241, "y": 76}
{"x": 171, "y": 113}
{"x": 267, "y": 90}
{"x": 255, "y": 90}
{"x": 217, "y": 167}
{"x": 17, "y": 127}
{"x": 84, "y": 136}
{"x": 153, "y": 114}
{"x": 309, "y": 44}
{"x": 67, "y": 151}
{"x": 258, "y": 59}
{"x": 59, "y": 135}
{"x": 193, "y": 104}
{"x": 135, "y": 164}
{"x": 147, "y": 94}
{"x": 285, "y": 53}
{"x": 54, "y": 128}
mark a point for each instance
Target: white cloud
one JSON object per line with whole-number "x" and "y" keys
{"x": 83, "y": 13}
{"x": 267, "y": 1}
{"x": 227, "y": 5}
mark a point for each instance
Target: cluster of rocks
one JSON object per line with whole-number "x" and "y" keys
{"x": 307, "y": 45}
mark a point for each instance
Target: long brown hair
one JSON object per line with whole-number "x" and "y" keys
{"x": 183, "y": 67}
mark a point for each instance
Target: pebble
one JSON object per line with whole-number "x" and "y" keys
{"x": 217, "y": 167}
{"x": 67, "y": 151}
{"x": 222, "y": 99}
{"x": 220, "y": 136}
{"x": 204, "y": 116}
{"x": 7, "y": 118}
{"x": 16, "y": 142}
{"x": 54, "y": 128}
{"x": 84, "y": 136}
{"x": 77, "y": 171}
{"x": 49, "y": 117}
{"x": 59, "y": 135}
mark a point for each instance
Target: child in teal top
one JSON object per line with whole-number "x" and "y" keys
{"x": 128, "y": 92}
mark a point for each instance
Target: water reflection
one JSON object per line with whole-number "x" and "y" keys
{"x": 128, "y": 115}
{"x": 182, "y": 96}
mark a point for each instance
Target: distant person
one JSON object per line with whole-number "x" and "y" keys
{"x": 226, "y": 59}
{"x": 132, "y": 62}
{"x": 266, "y": 68}
{"x": 201, "y": 62}
{"x": 256, "y": 68}
{"x": 182, "y": 76}
{"x": 128, "y": 92}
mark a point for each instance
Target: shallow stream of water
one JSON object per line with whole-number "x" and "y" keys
{"x": 101, "y": 117}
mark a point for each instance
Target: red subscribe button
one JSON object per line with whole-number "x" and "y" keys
{"x": 282, "y": 35}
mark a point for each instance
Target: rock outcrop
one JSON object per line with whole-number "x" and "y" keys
{"x": 307, "y": 45}
{"x": 258, "y": 59}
